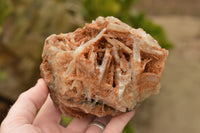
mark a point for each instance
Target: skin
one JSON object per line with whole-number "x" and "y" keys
{"x": 22, "y": 116}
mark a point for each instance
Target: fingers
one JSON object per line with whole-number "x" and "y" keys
{"x": 117, "y": 124}
{"x": 48, "y": 117}
{"x": 95, "y": 129}
{"x": 48, "y": 114}
{"x": 78, "y": 125}
{"x": 26, "y": 106}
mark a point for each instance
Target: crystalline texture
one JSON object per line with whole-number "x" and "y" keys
{"x": 105, "y": 68}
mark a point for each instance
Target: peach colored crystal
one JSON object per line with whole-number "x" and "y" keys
{"x": 104, "y": 68}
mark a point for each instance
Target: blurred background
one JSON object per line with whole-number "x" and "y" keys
{"x": 24, "y": 25}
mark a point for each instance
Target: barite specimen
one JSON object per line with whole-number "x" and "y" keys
{"x": 104, "y": 68}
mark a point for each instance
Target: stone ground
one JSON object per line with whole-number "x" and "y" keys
{"x": 169, "y": 7}
{"x": 176, "y": 109}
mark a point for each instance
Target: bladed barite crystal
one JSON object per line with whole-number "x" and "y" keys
{"x": 104, "y": 68}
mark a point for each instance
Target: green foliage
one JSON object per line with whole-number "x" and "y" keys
{"x": 122, "y": 10}
{"x": 128, "y": 128}
{"x": 65, "y": 121}
{"x": 5, "y": 10}
{"x": 3, "y": 75}
{"x": 95, "y": 8}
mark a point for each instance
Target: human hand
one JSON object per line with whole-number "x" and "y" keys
{"x": 22, "y": 116}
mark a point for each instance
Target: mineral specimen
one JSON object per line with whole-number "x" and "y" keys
{"x": 104, "y": 68}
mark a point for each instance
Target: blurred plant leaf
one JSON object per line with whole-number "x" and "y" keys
{"x": 5, "y": 10}
{"x": 100, "y": 8}
{"x": 65, "y": 121}
{"x": 3, "y": 75}
{"x": 126, "y": 4}
{"x": 128, "y": 128}
{"x": 0, "y": 30}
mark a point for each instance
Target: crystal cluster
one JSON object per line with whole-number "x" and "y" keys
{"x": 104, "y": 68}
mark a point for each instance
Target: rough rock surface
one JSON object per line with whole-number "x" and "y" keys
{"x": 104, "y": 68}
